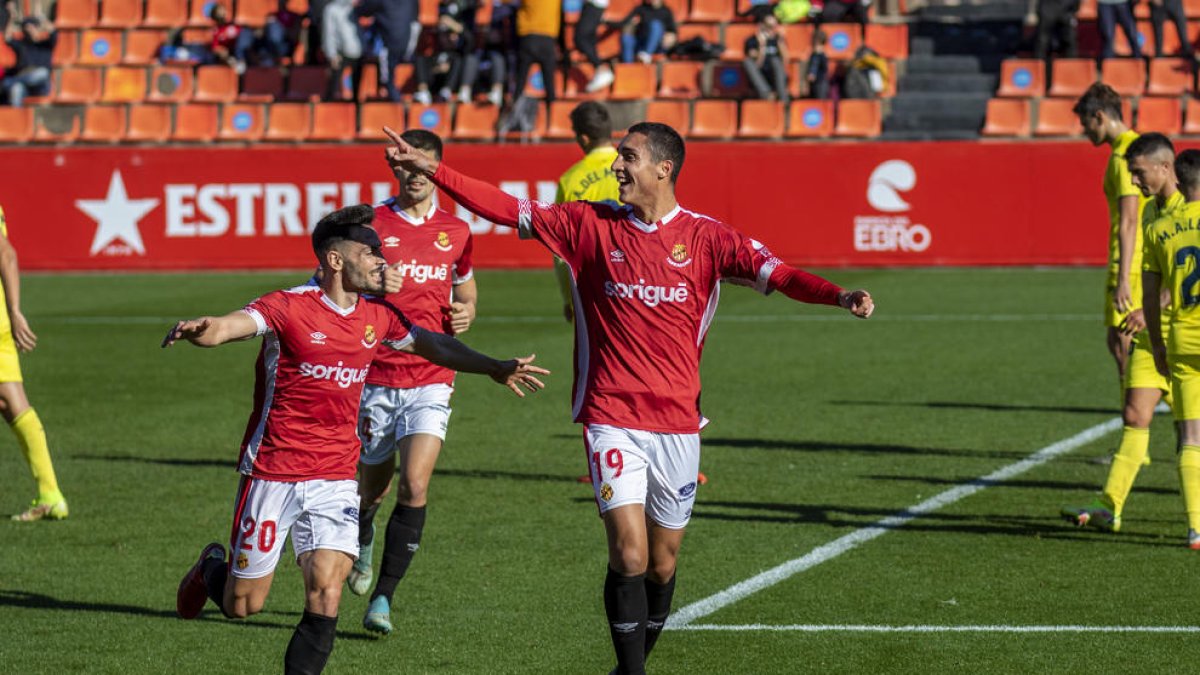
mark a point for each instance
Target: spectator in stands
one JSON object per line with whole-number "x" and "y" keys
{"x": 314, "y": 51}
{"x": 1113, "y": 12}
{"x": 30, "y": 75}
{"x": 586, "y": 38}
{"x": 230, "y": 42}
{"x": 1160, "y": 10}
{"x": 342, "y": 45}
{"x": 396, "y": 23}
{"x": 453, "y": 42}
{"x": 816, "y": 73}
{"x": 488, "y": 67}
{"x": 1055, "y": 20}
{"x": 281, "y": 34}
{"x": 840, "y": 11}
{"x": 538, "y": 25}
{"x": 648, "y": 30}
{"x": 766, "y": 59}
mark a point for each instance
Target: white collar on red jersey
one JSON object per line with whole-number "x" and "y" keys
{"x": 415, "y": 221}
{"x": 344, "y": 311}
{"x": 653, "y": 227}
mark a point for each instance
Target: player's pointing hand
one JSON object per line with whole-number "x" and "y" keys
{"x": 405, "y": 156}
{"x": 186, "y": 330}
{"x": 519, "y": 373}
{"x": 858, "y": 302}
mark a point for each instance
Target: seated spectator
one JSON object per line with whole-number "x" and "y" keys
{"x": 488, "y": 67}
{"x": 453, "y": 39}
{"x": 281, "y": 34}
{"x": 395, "y": 22}
{"x": 766, "y": 60}
{"x": 816, "y": 73}
{"x": 839, "y": 11}
{"x": 341, "y": 43}
{"x": 648, "y": 30}
{"x": 30, "y": 75}
{"x": 586, "y": 38}
{"x": 867, "y": 75}
{"x": 230, "y": 42}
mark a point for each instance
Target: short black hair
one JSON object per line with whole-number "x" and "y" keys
{"x": 591, "y": 119}
{"x": 1099, "y": 98}
{"x": 1187, "y": 169}
{"x": 665, "y": 144}
{"x": 423, "y": 139}
{"x": 1150, "y": 143}
{"x": 352, "y": 223}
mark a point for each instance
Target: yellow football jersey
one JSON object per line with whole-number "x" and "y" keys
{"x": 5, "y": 324}
{"x": 1118, "y": 183}
{"x": 590, "y": 179}
{"x": 1151, "y": 213}
{"x": 1173, "y": 252}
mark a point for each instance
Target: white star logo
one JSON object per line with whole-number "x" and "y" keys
{"x": 117, "y": 216}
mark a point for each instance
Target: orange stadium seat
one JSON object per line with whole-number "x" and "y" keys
{"x": 404, "y": 76}
{"x": 799, "y": 38}
{"x": 242, "y": 122}
{"x": 671, "y": 113}
{"x": 435, "y": 118}
{"x": 1191, "y": 9}
{"x": 559, "y": 125}
{"x": 428, "y": 15}
{"x": 1087, "y": 11}
{"x": 608, "y": 43}
{"x": 79, "y": 85}
{"x": 679, "y": 8}
{"x": 148, "y": 123}
{"x": 1126, "y": 76}
{"x": 171, "y": 83}
{"x": 617, "y": 10}
{"x": 375, "y": 115}
{"x": 367, "y": 86}
{"x": 633, "y": 81}
{"x": 307, "y": 83}
{"x": 261, "y": 85}
{"x": 761, "y": 119}
{"x": 1069, "y": 78}
{"x": 858, "y": 118}
{"x": 1055, "y": 118}
{"x": 536, "y": 133}
{"x": 52, "y": 128}
{"x": 165, "y": 13}
{"x": 195, "y": 122}
{"x": 8, "y": 57}
{"x": 200, "y": 9}
{"x": 76, "y": 13}
{"x": 476, "y": 121}
{"x": 16, "y": 124}
{"x": 810, "y": 119}
{"x": 333, "y": 122}
{"x": 891, "y": 41}
{"x": 710, "y": 11}
{"x": 66, "y": 50}
{"x": 843, "y": 40}
{"x": 100, "y": 47}
{"x": 289, "y": 122}
{"x": 680, "y": 79}
{"x": 736, "y": 35}
{"x": 729, "y": 80}
{"x": 253, "y": 13}
{"x": 576, "y": 81}
{"x": 1170, "y": 77}
{"x": 714, "y": 119}
{"x": 1022, "y": 78}
{"x": 103, "y": 124}
{"x": 120, "y": 14}
{"x": 1164, "y": 115}
{"x": 1007, "y": 117}
{"x": 217, "y": 84}
{"x": 124, "y": 84}
{"x": 142, "y": 45}
{"x": 1191, "y": 119}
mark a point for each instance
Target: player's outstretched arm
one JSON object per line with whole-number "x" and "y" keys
{"x": 448, "y": 352}
{"x": 211, "y": 331}
{"x": 858, "y": 301}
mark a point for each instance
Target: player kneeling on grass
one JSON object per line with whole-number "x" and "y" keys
{"x": 1151, "y": 159}
{"x": 1172, "y": 258}
{"x": 300, "y": 452}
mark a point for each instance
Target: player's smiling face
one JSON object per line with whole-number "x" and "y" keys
{"x": 416, "y": 186}
{"x": 636, "y": 172}
{"x": 362, "y": 267}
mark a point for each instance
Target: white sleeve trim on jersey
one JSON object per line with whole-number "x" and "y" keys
{"x": 261, "y": 327}
{"x": 404, "y": 342}
{"x": 763, "y": 283}
{"x": 457, "y": 280}
{"x": 524, "y": 219}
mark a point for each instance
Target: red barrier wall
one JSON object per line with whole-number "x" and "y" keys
{"x": 859, "y": 204}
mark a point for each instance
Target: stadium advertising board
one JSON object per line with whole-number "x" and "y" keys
{"x": 837, "y": 204}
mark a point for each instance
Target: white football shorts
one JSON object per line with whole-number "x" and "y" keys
{"x": 386, "y": 415}
{"x": 321, "y": 514}
{"x": 644, "y": 467}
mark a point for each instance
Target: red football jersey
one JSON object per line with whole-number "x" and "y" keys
{"x": 309, "y": 378}
{"x": 433, "y": 253}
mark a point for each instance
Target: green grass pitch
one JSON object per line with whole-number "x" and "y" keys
{"x": 822, "y": 425}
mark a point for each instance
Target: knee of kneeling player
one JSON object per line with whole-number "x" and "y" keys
{"x": 324, "y": 599}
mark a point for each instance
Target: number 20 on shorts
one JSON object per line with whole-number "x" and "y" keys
{"x": 266, "y": 534}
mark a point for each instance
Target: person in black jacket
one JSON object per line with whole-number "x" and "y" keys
{"x": 649, "y": 29}
{"x": 34, "y": 49}
{"x": 394, "y": 20}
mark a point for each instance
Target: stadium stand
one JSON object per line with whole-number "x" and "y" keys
{"x": 761, "y": 119}
{"x": 1022, "y": 78}
{"x": 1008, "y": 117}
{"x": 810, "y": 119}
{"x": 1164, "y": 115}
{"x": 558, "y": 127}
{"x": 120, "y": 14}
{"x": 1126, "y": 76}
{"x": 124, "y": 84}
{"x": 714, "y": 120}
{"x": 673, "y": 113}
{"x": 165, "y": 13}
{"x": 858, "y": 118}
{"x": 1069, "y": 78}
{"x": 195, "y": 123}
{"x": 242, "y": 122}
{"x": 16, "y": 125}
{"x": 333, "y": 122}
{"x": 1055, "y": 118}
{"x": 76, "y": 13}
{"x": 476, "y": 122}
{"x": 216, "y": 84}
{"x": 289, "y": 122}
{"x": 103, "y": 124}
{"x": 1170, "y": 77}
{"x": 149, "y": 123}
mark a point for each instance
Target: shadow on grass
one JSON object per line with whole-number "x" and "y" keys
{"x": 838, "y": 446}
{"x": 165, "y": 461}
{"x": 488, "y": 474}
{"x": 1058, "y": 486}
{"x": 1000, "y": 407}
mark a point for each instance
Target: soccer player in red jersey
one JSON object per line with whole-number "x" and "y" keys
{"x": 300, "y": 451}
{"x": 645, "y": 280}
{"x": 406, "y": 401}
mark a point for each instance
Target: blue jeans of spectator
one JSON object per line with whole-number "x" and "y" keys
{"x": 30, "y": 81}
{"x": 1109, "y": 15}
{"x": 651, "y": 40}
{"x": 275, "y": 43}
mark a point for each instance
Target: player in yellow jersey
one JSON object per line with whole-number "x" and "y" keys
{"x": 1173, "y": 259}
{"x": 1099, "y": 111}
{"x": 15, "y": 334}
{"x": 1151, "y": 160}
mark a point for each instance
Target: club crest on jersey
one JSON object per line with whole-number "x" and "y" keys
{"x": 318, "y": 338}
{"x": 443, "y": 242}
{"x": 679, "y": 256}
{"x": 369, "y": 339}
{"x": 391, "y": 242}
{"x": 617, "y": 256}
{"x": 606, "y": 492}
{"x": 242, "y": 561}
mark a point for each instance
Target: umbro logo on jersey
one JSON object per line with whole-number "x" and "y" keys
{"x": 318, "y": 338}
{"x": 617, "y": 256}
{"x": 443, "y": 242}
{"x": 391, "y": 242}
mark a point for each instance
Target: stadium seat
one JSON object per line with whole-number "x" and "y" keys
{"x": 124, "y": 84}
{"x": 810, "y": 119}
{"x": 1164, "y": 115}
{"x": 100, "y": 47}
{"x": 142, "y": 45}
{"x": 1022, "y": 78}
{"x": 608, "y": 44}
{"x": 671, "y": 113}
{"x": 576, "y": 81}
{"x": 617, "y": 10}
{"x": 79, "y": 85}
{"x": 435, "y": 118}
{"x": 534, "y": 134}
{"x": 16, "y": 124}
{"x": 761, "y": 119}
{"x": 710, "y": 11}
{"x": 1056, "y": 118}
{"x": 736, "y": 35}
{"x": 253, "y": 13}
{"x": 200, "y": 9}
{"x": 76, "y": 13}
{"x": 535, "y": 84}
{"x": 66, "y": 49}
{"x": 56, "y": 126}
{"x": 404, "y": 76}
{"x": 261, "y": 84}
{"x": 713, "y": 119}
{"x": 428, "y": 14}
{"x": 165, "y": 13}
{"x": 1191, "y": 9}
{"x": 634, "y": 81}
{"x": 148, "y": 123}
{"x": 8, "y": 57}
{"x": 476, "y": 121}
{"x": 103, "y": 124}
{"x": 307, "y": 83}
{"x": 1191, "y": 118}
{"x": 369, "y": 85}
{"x": 559, "y": 125}
{"x": 171, "y": 83}
{"x": 375, "y": 115}
{"x": 679, "y": 8}
{"x": 216, "y": 84}
{"x": 1069, "y": 78}
{"x": 1087, "y": 11}
{"x": 120, "y": 14}
{"x": 1007, "y": 117}
{"x": 1145, "y": 38}
{"x": 799, "y": 37}
{"x": 858, "y": 118}
{"x": 333, "y": 122}
{"x": 843, "y": 40}
{"x": 1170, "y": 77}
{"x": 891, "y": 41}
{"x": 1126, "y": 76}
{"x": 242, "y": 122}
{"x": 289, "y": 122}
{"x": 681, "y": 79}
{"x": 195, "y": 122}
{"x": 729, "y": 80}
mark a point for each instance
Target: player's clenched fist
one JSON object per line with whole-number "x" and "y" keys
{"x": 858, "y": 302}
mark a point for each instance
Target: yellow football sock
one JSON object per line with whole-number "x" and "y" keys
{"x": 32, "y": 437}
{"x": 1125, "y": 464}
{"x": 1189, "y": 478}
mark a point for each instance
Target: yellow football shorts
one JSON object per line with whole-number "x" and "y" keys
{"x": 10, "y": 365}
{"x": 1140, "y": 372}
{"x": 1185, "y": 384}
{"x": 1113, "y": 318}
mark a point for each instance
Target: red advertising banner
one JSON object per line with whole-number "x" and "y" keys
{"x": 834, "y": 204}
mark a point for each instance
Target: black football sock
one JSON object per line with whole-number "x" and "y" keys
{"x": 215, "y": 573}
{"x": 311, "y": 645}
{"x": 658, "y": 606}
{"x": 625, "y": 605}
{"x": 402, "y": 540}
{"x": 366, "y": 522}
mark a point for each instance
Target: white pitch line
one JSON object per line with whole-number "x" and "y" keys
{"x": 848, "y": 542}
{"x": 735, "y": 318}
{"x": 853, "y": 628}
